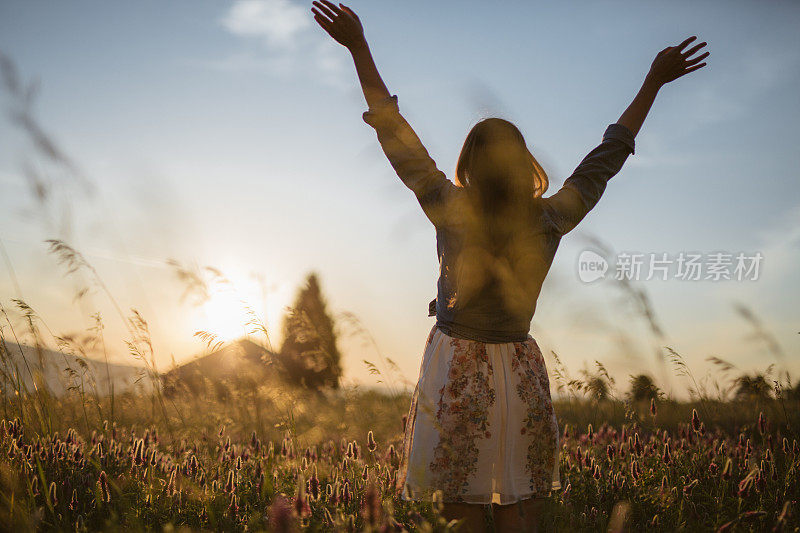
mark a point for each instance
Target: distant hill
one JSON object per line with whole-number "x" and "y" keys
{"x": 240, "y": 364}
{"x": 62, "y": 370}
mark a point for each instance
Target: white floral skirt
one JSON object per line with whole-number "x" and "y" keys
{"x": 481, "y": 427}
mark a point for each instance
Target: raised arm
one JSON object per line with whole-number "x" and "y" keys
{"x": 399, "y": 141}
{"x": 583, "y": 189}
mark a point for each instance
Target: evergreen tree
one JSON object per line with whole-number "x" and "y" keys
{"x": 309, "y": 355}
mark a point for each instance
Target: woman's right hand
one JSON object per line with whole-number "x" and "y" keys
{"x": 671, "y": 63}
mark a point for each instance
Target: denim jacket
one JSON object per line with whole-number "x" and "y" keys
{"x": 495, "y": 311}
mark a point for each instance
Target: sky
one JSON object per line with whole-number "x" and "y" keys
{"x": 229, "y": 135}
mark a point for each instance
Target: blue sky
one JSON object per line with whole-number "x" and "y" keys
{"x": 229, "y": 134}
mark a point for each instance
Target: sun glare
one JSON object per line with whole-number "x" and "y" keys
{"x": 226, "y": 314}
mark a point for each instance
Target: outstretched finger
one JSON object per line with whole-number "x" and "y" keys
{"x": 325, "y": 10}
{"x": 325, "y": 23}
{"x": 698, "y": 58}
{"x": 333, "y": 7}
{"x": 687, "y": 41}
{"x": 319, "y": 16}
{"x": 690, "y": 69}
{"x": 684, "y": 43}
{"x": 694, "y": 49}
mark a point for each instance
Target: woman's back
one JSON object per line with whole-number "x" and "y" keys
{"x": 487, "y": 290}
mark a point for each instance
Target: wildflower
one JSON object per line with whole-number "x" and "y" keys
{"x": 138, "y": 452}
{"x": 726, "y": 470}
{"x": 760, "y": 482}
{"x": 313, "y": 484}
{"x": 52, "y": 493}
{"x": 233, "y": 508}
{"x": 346, "y": 496}
{"x": 590, "y": 433}
{"x": 371, "y": 444}
{"x": 667, "y": 457}
{"x": 170, "y": 489}
{"x": 762, "y": 423}
{"x": 610, "y": 452}
{"x": 635, "y": 472}
{"x": 712, "y": 468}
{"x": 664, "y": 483}
{"x": 365, "y": 473}
{"x": 637, "y": 445}
{"x": 104, "y": 490}
{"x": 73, "y": 502}
{"x": 230, "y": 485}
{"x": 687, "y": 489}
{"x": 567, "y": 490}
{"x": 597, "y": 474}
{"x": 695, "y": 420}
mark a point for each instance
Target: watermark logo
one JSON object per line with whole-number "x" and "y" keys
{"x": 683, "y": 266}
{"x": 591, "y": 266}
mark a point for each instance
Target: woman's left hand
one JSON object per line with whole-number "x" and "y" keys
{"x": 341, "y": 23}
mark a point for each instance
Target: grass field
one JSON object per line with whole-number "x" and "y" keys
{"x": 275, "y": 458}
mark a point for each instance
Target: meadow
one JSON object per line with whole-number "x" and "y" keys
{"x": 271, "y": 457}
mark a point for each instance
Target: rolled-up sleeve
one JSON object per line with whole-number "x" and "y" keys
{"x": 583, "y": 189}
{"x": 409, "y": 158}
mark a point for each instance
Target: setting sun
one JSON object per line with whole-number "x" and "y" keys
{"x": 226, "y": 315}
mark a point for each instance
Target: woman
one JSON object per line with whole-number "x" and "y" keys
{"x": 481, "y": 427}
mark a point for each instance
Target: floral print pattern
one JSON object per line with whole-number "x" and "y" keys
{"x": 481, "y": 426}
{"x": 462, "y": 417}
{"x": 534, "y": 390}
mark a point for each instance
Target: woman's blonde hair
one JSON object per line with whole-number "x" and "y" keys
{"x": 498, "y": 179}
